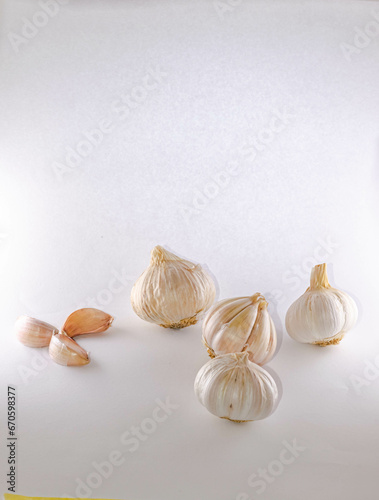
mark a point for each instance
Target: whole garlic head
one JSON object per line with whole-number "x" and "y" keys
{"x": 240, "y": 324}
{"x": 322, "y": 315}
{"x": 172, "y": 292}
{"x": 232, "y": 387}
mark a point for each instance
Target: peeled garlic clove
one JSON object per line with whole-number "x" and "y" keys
{"x": 172, "y": 292}
{"x": 232, "y": 387}
{"x": 87, "y": 320}
{"x": 34, "y": 333}
{"x": 241, "y": 324}
{"x": 322, "y": 315}
{"x": 65, "y": 351}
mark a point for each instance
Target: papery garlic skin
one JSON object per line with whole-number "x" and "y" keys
{"x": 232, "y": 387}
{"x": 87, "y": 320}
{"x": 65, "y": 351}
{"x": 241, "y": 324}
{"x": 172, "y": 292}
{"x": 323, "y": 314}
{"x": 34, "y": 333}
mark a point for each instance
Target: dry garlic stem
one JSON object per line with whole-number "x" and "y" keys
{"x": 172, "y": 292}
{"x": 65, "y": 351}
{"x": 232, "y": 387}
{"x": 34, "y": 333}
{"x": 323, "y": 314}
{"x": 240, "y": 324}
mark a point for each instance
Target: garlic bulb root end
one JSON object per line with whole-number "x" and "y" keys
{"x": 334, "y": 341}
{"x": 237, "y": 421}
{"x": 182, "y": 323}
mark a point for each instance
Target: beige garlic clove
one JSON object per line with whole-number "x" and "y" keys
{"x": 172, "y": 292}
{"x": 85, "y": 321}
{"x": 34, "y": 333}
{"x": 323, "y": 314}
{"x": 65, "y": 351}
{"x": 232, "y": 387}
{"x": 241, "y": 324}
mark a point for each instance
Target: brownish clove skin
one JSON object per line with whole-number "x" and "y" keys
{"x": 65, "y": 351}
{"x": 62, "y": 348}
{"x": 33, "y": 332}
{"x": 86, "y": 321}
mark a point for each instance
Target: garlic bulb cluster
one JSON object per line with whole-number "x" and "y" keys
{"x": 241, "y": 324}
{"x": 323, "y": 314}
{"x": 63, "y": 349}
{"x": 172, "y": 292}
{"x": 232, "y": 387}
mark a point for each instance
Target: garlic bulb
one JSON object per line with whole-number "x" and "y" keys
{"x": 172, "y": 292}
{"x": 232, "y": 387}
{"x": 240, "y": 324}
{"x": 322, "y": 315}
{"x": 65, "y": 351}
{"x": 34, "y": 333}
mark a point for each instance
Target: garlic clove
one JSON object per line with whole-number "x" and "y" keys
{"x": 241, "y": 324}
{"x": 85, "y": 321}
{"x": 323, "y": 314}
{"x": 34, "y": 333}
{"x": 172, "y": 292}
{"x": 232, "y": 387}
{"x": 65, "y": 351}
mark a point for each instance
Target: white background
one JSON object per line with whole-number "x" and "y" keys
{"x": 153, "y": 180}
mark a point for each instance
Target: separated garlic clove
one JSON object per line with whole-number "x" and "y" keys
{"x": 34, "y": 333}
{"x": 322, "y": 315}
{"x": 172, "y": 292}
{"x": 65, "y": 351}
{"x": 85, "y": 321}
{"x": 232, "y": 387}
{"x": 241, "y": 324}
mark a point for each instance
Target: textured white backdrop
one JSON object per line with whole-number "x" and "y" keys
{"x": 186, "y": 94}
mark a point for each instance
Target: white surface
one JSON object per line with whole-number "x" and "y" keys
{"x": 63, "y": 239}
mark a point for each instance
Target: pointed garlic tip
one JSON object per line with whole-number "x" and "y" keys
{"x": 323, "y": 314}
{"x": 258, "y": 298}
{"x": 34, "y": 333}
{"x": 232, "y": 387}
{"x": 65, "y": 351}
{"x": 159, "y": 255}
{"x": 85, "y": 321}
{"x": 241, "y": 324}
{"x": 241, "y": 358}
{"x": 319, "y": 277}
{"x": 172, "y": 292}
